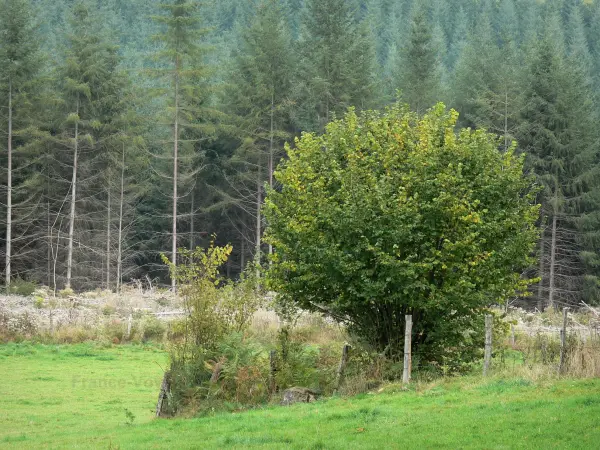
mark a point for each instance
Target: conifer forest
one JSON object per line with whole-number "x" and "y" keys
{"x": 130, "y": 128}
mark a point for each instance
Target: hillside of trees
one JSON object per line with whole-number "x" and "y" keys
{"x": 130, "y": 128}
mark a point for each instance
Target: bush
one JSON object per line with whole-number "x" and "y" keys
{"x": 108, "y": 310}
{"x": 22, "y": 287}
{"x": 389, "y": 214}
{"x": 115, "y": 329}
{"x": 73, "y": 335}
{"x": 38, "y": 302}
{"x": 153, "y": 329}
{"x": 66, "y": 292}
{"x": 16, "y": 327}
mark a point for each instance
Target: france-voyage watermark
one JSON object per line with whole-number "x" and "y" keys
{"x": 113, "y": 383}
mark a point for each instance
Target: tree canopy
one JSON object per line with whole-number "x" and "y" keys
{"x": 388, "y": 214}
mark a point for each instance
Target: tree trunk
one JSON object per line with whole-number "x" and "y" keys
{"x": 120, "y": 236}
{"x": 258, "y": 224}
{"x": 73, "y": 199}
{"x": 108, "y": 236}
{"x": 192, "y": 223}
{"x": 551, "y": 287}
{"x": 175, "y": 170}
{"x": 506, "y": 120}
{"x": 243, "y": 255}
{"x": 540, "y": 288}
{"x": 271, "y": 156}
{"x": 9, "y": 189}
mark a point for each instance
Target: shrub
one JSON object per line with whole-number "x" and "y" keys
{"x": 22, "y": 287}
{"x": 73, "y": 335}
{"x": 17, "y": 326}
{"x": 66, "y": 292}
{"x": 153, "y": 329}
{"x": 108, "y": 310}
{"x": 115, "y": 329}
{"x": 389, "y": 214}
{"x": 38, "y": 302}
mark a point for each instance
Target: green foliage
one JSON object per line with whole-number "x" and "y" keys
{"x": 108, "y": 310}
{"x": 337, "y": 67}
{"x": 129, "y": 417}
{"x": 115, "y": 331}
{"x": 387, "y": 214}
{"x": 419, "y": 70}
{"x": 198, "y": 277}
{"x": 212, "y": 333}
{"x": 38, "y": 302}
{"x": 66, "y": 293}
{"x": 153, "y": 329}
{"x": 22, "y": 287}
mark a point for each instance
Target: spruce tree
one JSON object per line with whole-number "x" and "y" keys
{"x": 336, "y": 67}
{"x": 20, "y": 65}
{"x": 259, "y": 99}
{"x": 558, "y": 134}
{"x": 419, "y": 73}
{"x": 182, "y": 78}
{"x": 487, "y": 82}
{"x": 92, "y": 92}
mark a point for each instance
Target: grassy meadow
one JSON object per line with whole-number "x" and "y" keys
{"x": 87, "y": 396}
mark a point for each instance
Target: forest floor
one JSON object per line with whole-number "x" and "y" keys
{"x": 88, "y": 396}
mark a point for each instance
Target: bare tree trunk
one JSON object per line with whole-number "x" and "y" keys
{"x": 551, "y": 286}
{"x": 243, "y": 255}
{"x": 540, "y": 288}
{"x": 48, "y": 243}
{"x": 175, "y": 170}
{"x": 120, "y": 236}
{"x": 108, "y": 236}
{"x": 73, "y": 199}
{"x": 192, "y": 223}
{"x": 505, "y": 120}
{"x": 271, "y": 156}
{"x": 258, "y": 223}
{"x": 9, "y": 189}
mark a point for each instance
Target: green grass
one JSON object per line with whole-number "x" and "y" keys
{"x": 76, "y": 397}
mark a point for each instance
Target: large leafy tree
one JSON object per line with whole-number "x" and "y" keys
{"x": 388, "y": 214}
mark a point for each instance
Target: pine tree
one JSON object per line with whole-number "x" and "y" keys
{"x": 487, "y": 83}
{"x": 419, "y": 74}
{"x": 558, "y": 134}
{"x": 20, "y": 65}
{"x": 92, "y": 103}
{"x": 507, "y": 22}
{"x": 459, "y": 39}
{"x": 183, "y": 78}
{"x": 476, "y": 72}
{"x": 259, "y": 99}
{"x": 336, "y": 69}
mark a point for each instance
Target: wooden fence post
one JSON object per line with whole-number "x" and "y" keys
{"x": 165, "y": 387}
{"x": 342, "y": 366}
{"x": 512, "y": 335}
{"x": 272, "y": 372}
{"x": 406, "y": 373}
{"x": 563, "y": 341}
{"x": 489, "y": 322}
{"x": 129, "y": 320}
